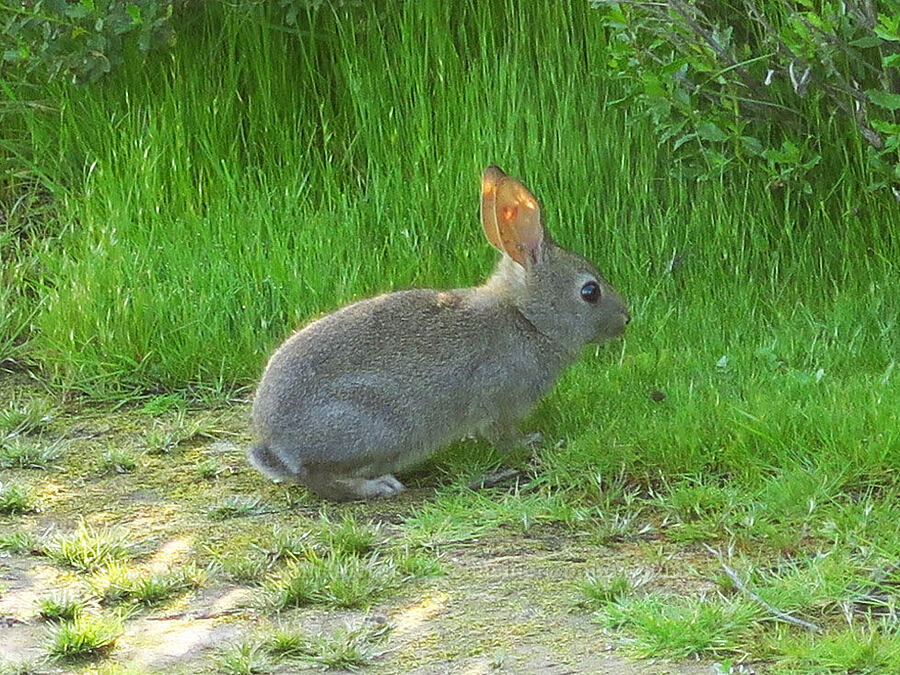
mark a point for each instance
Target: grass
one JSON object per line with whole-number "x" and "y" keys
{"x": 61, "y": 606}
{"x": 118, "y": 460}
{"x": 15, "y": 498}
{"x": 25, "y": 417}
{"x": 237, "y": 506}
{"x": 331, "y": 580}
{"x": 682, "y": 628}
{"x": 18, "y": 542}
{"x": 245, "y": 658}
{"x": 20, "y": 453}
{"x": 84, "y": 637}
{"x": 597, "y": 592}
{"x": 754, "y": 402}
{"x": 117, "y": 584}
{"x": 88, "y": 549}
{"x": 347, "y": 648}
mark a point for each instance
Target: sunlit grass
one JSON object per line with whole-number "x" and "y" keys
{"x": 85, "y": 636}
{"x": 88, "y": 548}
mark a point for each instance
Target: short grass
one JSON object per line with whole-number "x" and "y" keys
{"x": 15, "y": 498}
{"x": 119, "y": 460}
{"x": 28, "y": 453}
{"x": 118, "y": 584}
{"x": 17, "y": 541}
{"x": 88, "y": 549}
{"x": 754, "y": 404}
{"x": 87, "y": 636}
{"x": 61, "y": 606}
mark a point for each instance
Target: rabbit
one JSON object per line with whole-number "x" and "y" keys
{"x": 380, "y": 385}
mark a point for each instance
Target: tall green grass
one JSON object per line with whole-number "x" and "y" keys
{"x": 213, "y": 199}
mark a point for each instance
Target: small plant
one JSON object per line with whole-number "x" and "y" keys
{"x": 289, "y": 544}
{"x": 17, "y": 542}
{"x": 236, "y": 506}
{"x": 118, "y": 460}
{"x": 348, "y": 536}
{"x": 598, "y": 592}
{"x": 21, "y": 417}
{"x": 681, "y": 627}
{"x": 88, "y": 549}
{"x": 347, "y": 648}
{"x": 15, "y": 498}
{"x": 335, "y": 581}
{"x": 418, "y": 565}
{"x": 23, "y": 667}
{"x": 164, "y": 439}
{"x": 209, "y": 468}
{"x": 117, "y": 584}
{"x": 243, "y": 568}
{"x": 16, "y": 453}
{"x": 60, "y": 607}
{"x": 244, "y": 658}
{"x": 85, "y": 636}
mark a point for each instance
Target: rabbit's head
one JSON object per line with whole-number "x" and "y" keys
{"x": 559, "y": 292}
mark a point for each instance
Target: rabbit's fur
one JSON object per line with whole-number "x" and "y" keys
{"x": 385, "y": 382}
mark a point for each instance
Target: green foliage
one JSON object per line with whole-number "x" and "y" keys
{"x": 87, "y": 548}
{"x": 15, "y": 498}
{"x": 60, "y": 606}
{"x": 85, "y": 636}
{"x": 764, "y": 84}
{"x": 331, "y": 580}
{"x": 682, "y": 627}
{"x": 81, "y": 40}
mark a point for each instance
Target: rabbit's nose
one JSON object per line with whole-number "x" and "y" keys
{"x": 627, "y": 316}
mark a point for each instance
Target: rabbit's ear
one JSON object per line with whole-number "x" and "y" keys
{"x": 490, "y": 180}
{"x": 518, "y": 218}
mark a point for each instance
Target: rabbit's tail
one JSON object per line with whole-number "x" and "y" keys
{"x": 268, "y": 462}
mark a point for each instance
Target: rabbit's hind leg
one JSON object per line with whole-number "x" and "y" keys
{"x": 272, "y": 464}
{"x": 348, "y": 489}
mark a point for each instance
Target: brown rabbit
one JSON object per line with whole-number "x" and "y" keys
{"x": 382, "y": 384}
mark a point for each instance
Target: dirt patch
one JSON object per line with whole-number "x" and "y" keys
{"x": 505, "y": 602}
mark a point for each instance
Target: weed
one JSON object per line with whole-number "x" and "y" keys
{"x": 243, "y": 568}
{"x": 330, "y": 580}
{"x": 61, "y": 606}
{"x": 346, "y": 648}
{"x": 209, "y": 468}
{"x": 18, "y": 453}
{"x": 118, "y": 584}
{"x": 598, "y": 591}
{"x": 88, "y": 549}
{"x": 118, "y": 460}
{"x": 85, "y": 636}
{"x": 412, "y": 564}
{"x": 236, "y": 506}
{"x": 348, "y": 537}
{"x": 24, "y": 417}
{"x": 245, "y": 658}
{"x": 17, "y": 542}
{"x": 35, "y": 666}
{"x": 681, "y": 627}
{"x": 15, "y": 498}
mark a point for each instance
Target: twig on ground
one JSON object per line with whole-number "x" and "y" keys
{"x": 492, "y": 479}
{"x": 196, "y": 617}
{"x": 774, "y": 611}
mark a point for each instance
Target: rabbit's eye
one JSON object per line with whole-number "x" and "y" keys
{"x": 590, "y": 292}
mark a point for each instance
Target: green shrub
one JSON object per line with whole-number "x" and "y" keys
{"x": 763, "y": 83}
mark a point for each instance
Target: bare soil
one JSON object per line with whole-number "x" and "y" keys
{"x": 506, "y": 603}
